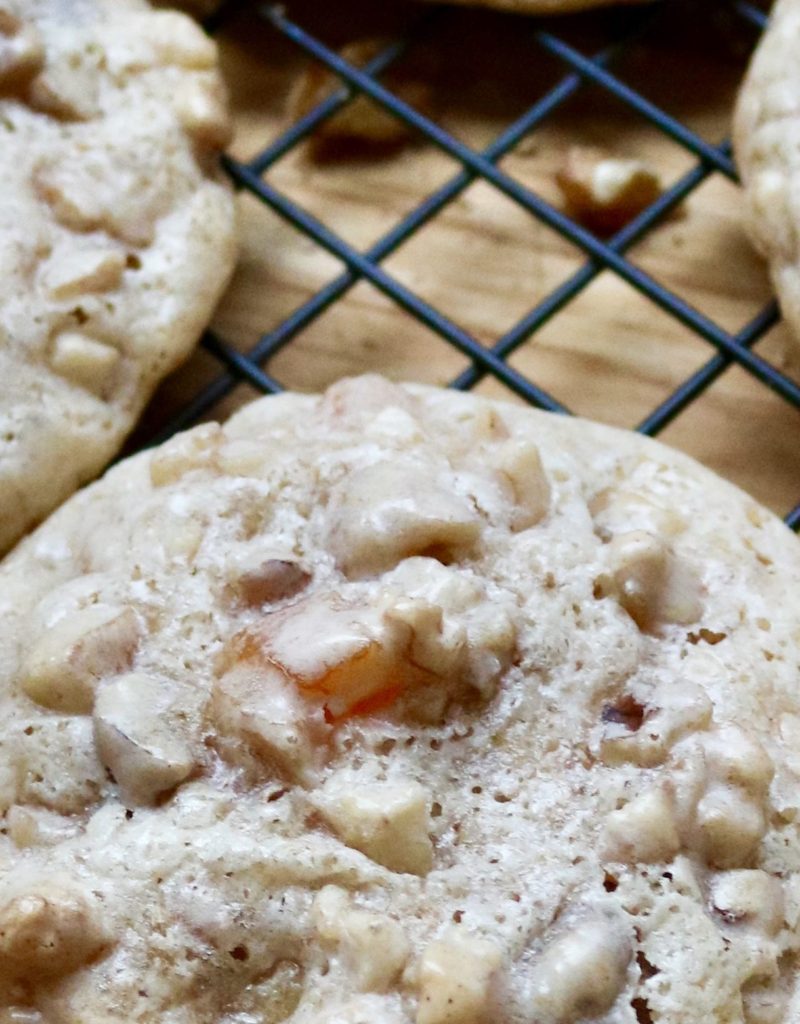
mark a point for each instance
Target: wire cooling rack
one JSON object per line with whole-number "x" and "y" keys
{"x": 725, "y": 348}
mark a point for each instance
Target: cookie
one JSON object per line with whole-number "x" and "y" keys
{"x": 767, "y": 145}
{"x": 400, "y": 705}
{"x": 541, "y": 6}
{"x": 118, "y": 232}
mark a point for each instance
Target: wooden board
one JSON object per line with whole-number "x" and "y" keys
{"x": 611, "y": 354}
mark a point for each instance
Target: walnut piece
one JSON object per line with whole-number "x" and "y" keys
{"x": 142, "y": 736}
{"x": 644, "y": 830}
{"x": 65, "y": 665}
{"x": 581, "y": 973}
{"x": 48, "y": 929}
{"x": 388, "y": 821}
{"x": 362, "y": 127}
{"x": 373, "y": 946}
{"x": 455, "y": 977}
{"x": 653, "y": 586}
{"x": 85, "y": 361}
{"x": 389, "y": 511}
{"x": 603, "y": 192}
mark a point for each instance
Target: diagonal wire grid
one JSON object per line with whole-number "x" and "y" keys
{"x": 600, "y": 255}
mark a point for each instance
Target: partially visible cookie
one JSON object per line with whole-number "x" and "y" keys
{"x": 116, "y": 230}
{"x": 766, "y": 135}
{"x": 541, "y": 6}
{"x": 401, "y": 706}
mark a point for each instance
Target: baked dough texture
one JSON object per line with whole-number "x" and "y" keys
{"x": 117, "y": 230}
{"x": 401, "y": 706}
{"x": 766, "y": 139}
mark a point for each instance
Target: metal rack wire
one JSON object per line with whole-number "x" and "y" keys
{"x": 601, "y": 254}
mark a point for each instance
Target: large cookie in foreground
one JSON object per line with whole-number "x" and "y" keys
{"x": 399, "y": 705}
{"x": 766, "y": 135}
{"x": 116, "y": 230}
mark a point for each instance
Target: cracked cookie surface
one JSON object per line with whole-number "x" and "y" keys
{"x": 401, "y": 706}
{"x": 118, "y": 231}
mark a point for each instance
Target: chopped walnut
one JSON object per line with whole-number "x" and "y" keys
{"x": 389, "y": 511}
{"x": 84, "y": 361}
{"x": 362, "y": 127}
{"x": 275, "y": 579}
{"x": 65, "y": 665}
{"x": 67, "y": 275}
{"x": 644, "y": 831}
{"x": 728, "y": 827}
{"x": 357, "y": 657}
{"x": 582, "y": 973}
{"x": 48, "y": 928}
{"x": 680, "y": 708}
{"x": 259, "y": 714}
{"x": 521, "y": 464}
{"x": 388, "y": 821}
{"x": 67, "y": 89}
{"x": 604, "y": 192}
{"x": 653, "y": 586}
{"x": 373, "y": 946}
{"x": 737, "y": 758}
{"x": 455, "y": 979}
{"x": 143, "y": 736}
{"x": 751, "y": 898}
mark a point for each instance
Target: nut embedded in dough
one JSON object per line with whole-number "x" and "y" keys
{"x": 455, "y": 979}
{"x": 48, "y": 929}
{"x": 141, "y": 736}
{"x": 65, "y": 665}
{"x": 388, "y": 821}
{"x": 582, "y": 973}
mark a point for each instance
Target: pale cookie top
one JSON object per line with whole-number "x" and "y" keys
{"x": 398, "y": 706}
{"x": 767, "y": 145}
{"x": 116, "y": 231}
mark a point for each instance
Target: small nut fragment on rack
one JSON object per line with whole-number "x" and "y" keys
{"x": 146, "y": 746}
{"x": 84, "y": 361}
{"x": 604, "y": 192}
{"x": 582, "y": 973}
{"x": 48, "y": 928}
{"x": 388, "y": 821}
{"x": 455, "y": 978}
{"x": 67, "y": 662}
{"x": 362, "y": 127}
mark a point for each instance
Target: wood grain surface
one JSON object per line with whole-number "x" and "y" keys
{"x": 611, "y": 354}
